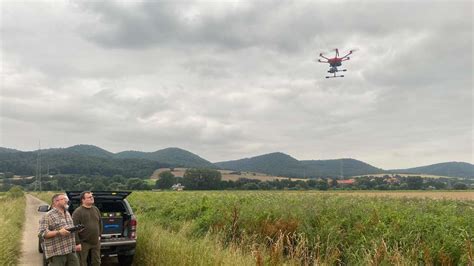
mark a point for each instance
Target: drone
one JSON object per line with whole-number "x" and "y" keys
{"x": 335, "y": 62}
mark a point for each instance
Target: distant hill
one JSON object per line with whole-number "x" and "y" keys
{"x": 6, "y": 150}
{"x": 339, "y": 167}
{"x": 284, "y": 165}
{"x": 64, "y": 162}
{"x": 89, "y": 159}
{"x": 131, "y": 154}
{"x": 452, "y": 169}
{"x": 172, "y": 156}
{"x": 277, "y": 163}
{"x": 81, "y": 149}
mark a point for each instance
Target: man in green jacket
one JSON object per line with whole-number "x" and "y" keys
{"x": 89, "y": 238}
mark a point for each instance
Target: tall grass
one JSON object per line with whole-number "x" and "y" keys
{"x": 157, "y": 246}
{"x": 44, "y": 196}
{"x": 312, "y": 228}
{"x": 299, "y": 228}
{"x": 12, "y": 216}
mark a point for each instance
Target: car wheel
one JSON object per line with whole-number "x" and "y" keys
{"x": 125, "y": 260}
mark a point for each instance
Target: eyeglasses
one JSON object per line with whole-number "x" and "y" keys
{"x": 90, "y": 197}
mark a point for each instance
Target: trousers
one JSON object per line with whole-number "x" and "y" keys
{"x": 62, "y": 260}
{"x": 94, "y": 254}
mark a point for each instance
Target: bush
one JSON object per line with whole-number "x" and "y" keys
{"x": 459, "y": 186}
{"x": 16, "y": 192}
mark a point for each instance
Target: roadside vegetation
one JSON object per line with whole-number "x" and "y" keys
{"x": 12, "y": 210}
{"x": 44, "y": 196}
{"x": 301, "y": 228}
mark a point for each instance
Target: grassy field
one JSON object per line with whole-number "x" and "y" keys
{"x": 423, "y": 194}
{"x": 12, "y": 217}
{"x": 302, "y": 228}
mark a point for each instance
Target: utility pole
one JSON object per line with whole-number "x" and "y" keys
{"x": 342, "y": 168}
{"x": 37, "y": 172}
{"x": 38, "y": 169}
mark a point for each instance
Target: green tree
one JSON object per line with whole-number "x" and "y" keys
{"x": 82, "y": 185}
{"x": 250, "y": 186}
{"x": 201, "y": 179}
{"x": 414, "y": 182}
{"x": 322, "y": 184}
{"x": 459, "y": 186}
{"x": 136, "y": 184}
{"x": 166, "y": 180}
{"x": 116, "y": 186}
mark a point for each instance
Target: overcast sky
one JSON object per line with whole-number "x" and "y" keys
{"x": 238, "y": 79}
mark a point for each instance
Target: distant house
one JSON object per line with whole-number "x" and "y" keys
{"x": 346, "y": 182}
{"x": 177, "y": 187}
{"x": 392, "y": 180}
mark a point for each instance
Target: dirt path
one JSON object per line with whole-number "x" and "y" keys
{"x": 29, "y": 249}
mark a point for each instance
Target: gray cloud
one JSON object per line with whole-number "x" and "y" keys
{"x": 232, "y": 80}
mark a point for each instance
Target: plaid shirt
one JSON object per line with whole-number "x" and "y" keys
{"x": 54, "y": 220}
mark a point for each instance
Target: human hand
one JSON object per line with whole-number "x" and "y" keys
{"x": 64, "y": 232}
{"x": 78, "y": 247}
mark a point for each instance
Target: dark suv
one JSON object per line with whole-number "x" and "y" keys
{"x": 119, "y": 236}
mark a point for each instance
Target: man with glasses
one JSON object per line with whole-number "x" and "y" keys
{"x": 89, "y": 238}
{"x": 59, "y": 244}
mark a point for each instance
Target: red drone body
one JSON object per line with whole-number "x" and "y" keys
{"x": 335, "y": 62}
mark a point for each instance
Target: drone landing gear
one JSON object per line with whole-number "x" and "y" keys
{"x": 341, "y": 70}
{"x": 329, "y": 77}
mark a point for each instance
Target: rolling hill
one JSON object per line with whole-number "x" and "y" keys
{"x": 284, "y": 165}
{"x": 89, "y": 159}
{"x": 172, "y": 156}
{"x": 277, "y": 163}
{"x": 81, "y": 149}
{"x": 57, "y": 162}
{"x": 339, "y": 167}
{"x": 451, "y": 169}
{"x": 7, "y": 150}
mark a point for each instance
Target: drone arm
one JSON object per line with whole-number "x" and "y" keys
{"x": 323, "y": 56}
{"x": 350, "y": 52}
{"x": 322, "y": 61}
{"x": 347, "y": 55}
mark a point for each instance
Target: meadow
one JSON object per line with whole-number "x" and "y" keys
{"x": 12, "y": 210}
{"x": 301, "y": 228}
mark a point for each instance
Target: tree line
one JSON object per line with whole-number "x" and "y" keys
{"x": 26, "y": 163}
{"x": 211, "y": 179}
